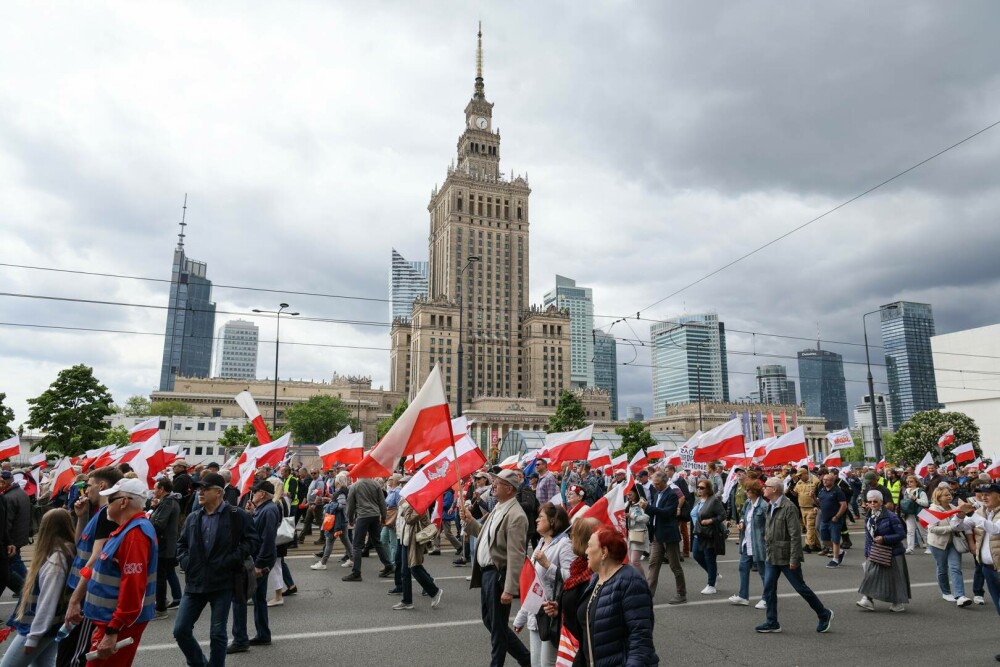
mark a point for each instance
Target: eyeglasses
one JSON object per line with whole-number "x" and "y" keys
{"x": 703, "y": 488}
{"x": 114, "y": 498}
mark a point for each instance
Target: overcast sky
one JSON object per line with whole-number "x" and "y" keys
{"x": 662, "y": 141}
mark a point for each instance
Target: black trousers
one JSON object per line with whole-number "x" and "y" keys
{"x": 496, "y": 617}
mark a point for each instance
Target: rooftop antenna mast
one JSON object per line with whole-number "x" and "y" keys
{"x": 180, "y": 237}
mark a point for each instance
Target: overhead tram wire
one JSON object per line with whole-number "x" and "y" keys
{"x": 821, "y": 216}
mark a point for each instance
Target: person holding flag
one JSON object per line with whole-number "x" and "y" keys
{"x": 943, "y": 534}
{"x": 409, "y": 523}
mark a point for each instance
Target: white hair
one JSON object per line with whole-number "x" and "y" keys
{"x": 873, "y": 494}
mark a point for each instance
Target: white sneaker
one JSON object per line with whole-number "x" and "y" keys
{"x": 347, "y": 563}
{"x": 317, "y": 566}
{"x": 760, "y": 605}
{"x": 927, "y": 551}
{"x": 709, "y": 590}
{"x": 437, "y": 598}
{"x": 897, "y": 608}
{"x": 865, "y": 603}
{"x": 963, "y": 601}
{"x": 979, "y": 599}
{"x": 949, "y": 598}
{"x": 737, "y": 600}
{"x": 909, "y": 552}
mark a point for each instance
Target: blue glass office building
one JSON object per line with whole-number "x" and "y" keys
{"x": 823, "y": 388}
{"x": 606, "y": 368}
{"x": 187, "y": 347}
{"x": 907, "y": 328}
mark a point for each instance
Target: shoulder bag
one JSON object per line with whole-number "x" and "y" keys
{"x": 550, "y": 627}
{"x": 286, "y": 527}
{"x": 880, "y": 554}
{"x": 959, "y": 541}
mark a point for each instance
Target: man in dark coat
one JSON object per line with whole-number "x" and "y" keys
{"x": 664, "y": 536}
{"x": 18, "y": 527}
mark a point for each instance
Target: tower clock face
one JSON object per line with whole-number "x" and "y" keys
{"x": 481, "y": 123}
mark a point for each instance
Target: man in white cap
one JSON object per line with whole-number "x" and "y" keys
{"x": 497, "y": 563}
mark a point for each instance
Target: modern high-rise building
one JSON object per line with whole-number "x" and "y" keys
{"x": 236, "y": 350}
{"x": 634, "y": 413}
{"x": 907, "y": 329}
{"x": 773, "y": 385}
{"x": 689, "y": 360}
{"x": 579, "y": 301}
{"x": 407, "y": 283}
{"x": 606, "y": 367}
{"x": 824, "y": 390}
{"x": 187, "y": 345}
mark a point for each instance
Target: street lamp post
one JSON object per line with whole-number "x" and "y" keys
{"x": 277, "y": 337}
{"x": 461, "y": 332}
{"x": 876, "y": 436}
{"x": 699, "y": 396}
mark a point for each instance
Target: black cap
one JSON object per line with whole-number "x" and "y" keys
{"x": 212, "y": 465}
{"x": 264, "y": 486}
{"x": 990, "y": 488}
{"x": 210, "y": 479}
{"x": 952, "y": 480}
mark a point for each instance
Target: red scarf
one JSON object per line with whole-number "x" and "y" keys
{"x": 579, "y": 573}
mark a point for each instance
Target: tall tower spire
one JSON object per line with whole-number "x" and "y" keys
{"x": 180, "y": 237}
{"x": 479, "y": 94}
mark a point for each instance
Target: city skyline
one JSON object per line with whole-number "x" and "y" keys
{"x": 276, "y": 208}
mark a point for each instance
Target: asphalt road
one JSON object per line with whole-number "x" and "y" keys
{"x": 331, "y": 622}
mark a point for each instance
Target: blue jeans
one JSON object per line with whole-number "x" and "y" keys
{"x": 423, "y": 578}
{"x": 949, "y": 568}
{"x": 259, "y": 615}
{"x": 18, "y": 572}
{"x": 388, "y": 539}
{"x": 706, "y": 558}
{"x": 286, "y": 575}
{"x": 192, "y": 604}
{"x": 992, "y": 578}
{"x": 745, "y": 563}
{"x": 44, "y": 654}
{"x": 794, "y": 578}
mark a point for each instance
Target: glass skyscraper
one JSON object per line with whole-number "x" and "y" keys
{"x": 407, "y": 282}
{"x": 606, "y": 368}
{"x": 579, "y": 301}
{"x": 907, "y": 328}
{"x": 824, "y": 390}
{"x": 773, "y": 385}
{"x": 187, "y": 346}
{"x": 689, "y": 358}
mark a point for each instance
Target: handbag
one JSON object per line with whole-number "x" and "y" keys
{"x": 390, "y": 517}
{"x": 285, "y": 532}
{"x": 637, "y": 536}
{"x": 960, "y": 543}
{"x": 427, "y": 534}
{"x": 880, "y": 554}
{"x": 329, "y": 520}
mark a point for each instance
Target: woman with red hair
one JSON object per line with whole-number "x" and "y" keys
{"x": 616, "y": 614}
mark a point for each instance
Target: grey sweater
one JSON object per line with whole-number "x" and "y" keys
{"x": 365, "y": 499}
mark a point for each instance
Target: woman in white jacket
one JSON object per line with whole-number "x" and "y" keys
{"x": 551, "y": 557}
{"x": 912, "y": 501}
{"x": 940, "y": 539}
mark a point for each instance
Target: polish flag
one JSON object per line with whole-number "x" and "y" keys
{"x": 880, "y": 466}
{"x": 566, "y": 447}
{"x": 272, "y": 453}
{"x": 62, "y": 477}
{"x": 978, "y": 463}
{"x": 144, "y": 431}
{"x": 840, "y": 439}
{"x": 921, "y": 469}
{"x": 245, "y": 400}
{"x": 170, "y": 454}
{"x": 569, "y": 646}
{"x": 532, "y": 593}
{"x": 610, "y": 509}
{"x": 509, "y": 463}
{"x": 949, "y": 465}
{"x": 345, "y": 447}
{"x": 424, "y": 426}
{"x": 38, "y": 460}
{"x": 148, "y": 461}
{"x": 994, "y": 469}
{"x": 619, "y": 463}
{"x": 415, "y": 461}
{"x": 674, "y": 459}
{"x": 757, "y": 448}
{"x": 807, "y": 462}
{"x": 11, "y": 447}
{"x": 946, "y": 439}
{"x": 441, "y": 473}
{"x": 789, "y": 447}
{"x": 833, "y": 460}
{"x": 656, "y": 452}
{"x": 88, "y": 458}
{"x": 600, "y": 458}
{"x": 638, "y": 462}
{"x": 125, "y": 454}
{"x": 459, "y": 427}
{"x": 929, "y": 516}
{"x": 964, "y": 453}
{"x": 105, "y": 458}
{"x": 721, "y": 441}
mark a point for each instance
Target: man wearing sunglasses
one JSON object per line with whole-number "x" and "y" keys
{"x": 121, "y": 587}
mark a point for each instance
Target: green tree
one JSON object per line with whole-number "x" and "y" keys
{"x": 384, "y": 425}
{"x": 237, "y": 437}
{"x": 6, "y": 417}
{"x": 569, "y": 414}
{"x": 136, "y": 406}
{"x": 920, "y": 435}
{"x": 71, "y": 412}
{"x": 118, "y": 436}
{"x": 855, "y": 453}
{"x": 635, "y": 436}
{"x": 318, "y": 419}
{"x": 170, "y": 409}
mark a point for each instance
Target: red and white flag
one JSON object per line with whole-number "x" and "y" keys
{"x": 510, "y": 462}
{"x": 424, "y": 426}
{"x": 144, "y": 431}
{"x": 921, "y": 470}
{"x": 600, "y": 458}
{"x": 833, "y": 460}
{"x": 929, "y": 516}
{"x": 964, "y": 453}
{"x": 723, "y": 440}
{"x": 610, "y": 508}
{"x": 10, "y": 448}
{"x": 245, "y": 400}
{"x": 993, "y": 470}
{"x": 946, "y": 439}
{"x": 673, "y": 459}
{"x": 566, "y": 447}
{"x": 440, "y": 474}
{"x": 807, "y": 462}
{"x": 638, "y": 462}
{"x": 978, "y": 463}
{"x": 840, "y": 439}
{"x": 63, "y": 476}
{"x": 756, "y": 449}
{"x": 413, "y": 462}
{"x": 949, "y": 465}
{"x": 569, "y": 646}
{"x": 880, "y": 466}
{"x": 149, "y": 461}
{"x": 345, "y": 447}
{"x": 532, "y": 593}
{"x": 272, "y": 453}
{"x": 104, "y": 458}
{"x": 619, "y": 463}
{"x": 656, "y": 452}
{"x": 786, "y": 449}
{"x": 38, "y": 460}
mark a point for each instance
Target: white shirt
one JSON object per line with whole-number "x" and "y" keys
{"x": 489, "y": 532}
{"x": 991, "y": 526}
{"x": 747, "y": 538}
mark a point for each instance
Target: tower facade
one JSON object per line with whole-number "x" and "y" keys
{"x": 407, "y": 283}
{"x": 579, "y": 301}
{"x": 606, "y": 367}
{"x": 824, "y": 390}
{"x": 689, "y": 361}
{"x": 907, "y": 329}
{"x": 773, "y": 385}
{"x": 236, "y": 350}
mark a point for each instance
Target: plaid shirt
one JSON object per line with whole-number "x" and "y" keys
{"x": 547, "y": 488}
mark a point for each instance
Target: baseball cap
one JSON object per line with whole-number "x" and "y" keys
{"x": 6, "y": 474}
{"x": 508, "y": 476}
{"x": 265, "y": 486}
{"x": 991, "y": 488}
{"x": 870, "y": 476}
{"x": 128, "y": 486}
{"x": 210, "y": 479}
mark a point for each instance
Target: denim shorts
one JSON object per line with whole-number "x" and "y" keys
{"x": 829, "y": 531}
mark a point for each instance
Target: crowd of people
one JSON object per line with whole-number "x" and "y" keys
{"x": 106, "y": 554}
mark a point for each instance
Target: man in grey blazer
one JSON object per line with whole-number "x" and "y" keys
{"x": 496, "y": 566}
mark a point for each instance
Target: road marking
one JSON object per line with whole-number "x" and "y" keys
{"x": 450, "y": 624}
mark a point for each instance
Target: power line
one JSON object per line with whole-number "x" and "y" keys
{"x": 821, "y": 216}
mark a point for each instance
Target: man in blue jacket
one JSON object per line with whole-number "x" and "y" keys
{"x": 664, "y": 536}
{"x": 266, "y": 517}
{"x": 211, "y": 559}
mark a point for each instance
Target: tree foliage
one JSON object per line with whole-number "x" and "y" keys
{"x": 385, "y": 424}
{"x": 71, "y": 412}
{"x": 6, "y": 417}
{"x": 170, "y": 409}
{"x": 920, "y": 435}
{"x": 635, "y": 436}
{"x": 118, "y": 436}
{"x": 569, "y": 415}
{"x": 136, "y": 406}
{"x": 317, "y": 419}
{"x": 236, "y": 437}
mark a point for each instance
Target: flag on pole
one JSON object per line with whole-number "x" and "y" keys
{"x": 921, "y": 470}
{"x": 245, "y": 400}
{"x": 840, "y": 439}
{"x": 880, "y": 466}
{"x": 833, "y": 460}
{"x": 600, "y": 458}
{"x": 721, "y": 441}
{"x": 509, "y": 463}
{"x": 439, "y": 474}
{"x": 619, "y": 463}
{"x": 38, "y": 460}
{"x": 62, "y": 477}
{"x": 610, "y": 508}
{"x": 993, "y": 470}
{"x": 148, "y": 461}
{"x": 532, "y": 593}
{"x": 569, "y": 646}
{"x": 638, "y": 462}
{"x": 770, "y": 423}
{"x": 655, "y": 452}
{"x": 789, "y": 447}
{"x": 11, "y": 447}
{"x": 568, "y": 446}
{"x": 345, "y": 447}
{"x": 949, "y": 465}
{"x": 964, "y": 453}
{"x": 144, "y": 431}
{"x": 946, "y": 439}
{"x": 928, "y": 516}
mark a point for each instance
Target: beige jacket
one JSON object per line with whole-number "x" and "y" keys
{"x": 408, "y": 524}
{"x": 507, "y": 550}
